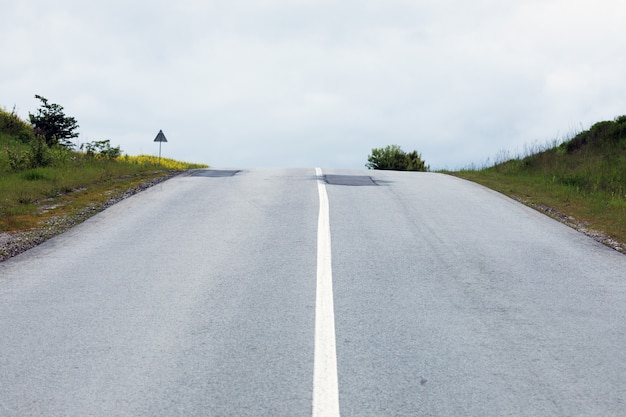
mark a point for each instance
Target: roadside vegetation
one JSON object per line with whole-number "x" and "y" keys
{"x": 393, "y": 158}
{"x": 580, "y": 180}
{"x": 43, "y": 174}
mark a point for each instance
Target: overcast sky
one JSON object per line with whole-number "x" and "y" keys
{"x": 305, "y": 83}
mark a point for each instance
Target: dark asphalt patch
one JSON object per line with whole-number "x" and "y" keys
{"x": 214, "y": 173}
{"x": 351, "y": 180}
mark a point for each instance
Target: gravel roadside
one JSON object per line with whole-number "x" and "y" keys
{"x": 582, "y": 227}
{"x": 14, "y": 243}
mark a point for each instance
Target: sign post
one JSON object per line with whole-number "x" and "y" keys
{"x": 160, "y": 138}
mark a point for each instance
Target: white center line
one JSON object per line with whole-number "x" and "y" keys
{"x": 325, "y": 382}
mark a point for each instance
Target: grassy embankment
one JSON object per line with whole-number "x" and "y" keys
{"x": 582, "y": 180}
{"x": 37, "y": 182}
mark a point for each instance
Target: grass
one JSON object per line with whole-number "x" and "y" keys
{"x": 39, "y": 183}
{"x": 146, "y": 160}
{"x": 30, "y": 197}
{"x": 582, "y": 179}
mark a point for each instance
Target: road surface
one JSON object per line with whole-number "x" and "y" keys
{"x": 303, "y": 292}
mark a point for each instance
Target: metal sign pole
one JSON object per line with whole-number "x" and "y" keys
{"x": 160, "y": 138}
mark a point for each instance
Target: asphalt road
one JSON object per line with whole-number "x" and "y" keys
{"x": 200, "y": 297}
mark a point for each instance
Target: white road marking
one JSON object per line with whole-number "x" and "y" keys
{"x": 325, "y": 382}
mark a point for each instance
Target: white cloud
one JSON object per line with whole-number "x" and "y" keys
{"x": 304, "y": 83}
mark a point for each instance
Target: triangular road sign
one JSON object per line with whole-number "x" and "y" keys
{"x": 160, "y": 137}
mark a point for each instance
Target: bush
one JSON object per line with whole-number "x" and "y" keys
{"x": 36, "y": 155}
{"x": 394, "y": 158}
{"x": 12, "y": 125}
{"x": 607, "y": 134}
{"x": 18, "y": 160}
{"x": 101, "y": 149}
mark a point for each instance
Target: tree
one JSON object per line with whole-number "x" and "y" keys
{"x": 51, "y": 123}
{"x": 394, "y": 158}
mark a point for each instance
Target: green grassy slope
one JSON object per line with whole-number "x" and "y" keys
{"x": 582, "y": 180}
{"x": 38, "y": 182}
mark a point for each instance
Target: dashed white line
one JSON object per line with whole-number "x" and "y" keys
{"x": 325, "y": 381}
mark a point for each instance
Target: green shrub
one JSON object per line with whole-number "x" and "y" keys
{"x": 12, "y": 125}
{"x": 37, "y": 154}
{"x": 394, "y": 158}
{"x": 606, "y": 134}
{"x": 101, "y": 149}
{"x": 18, "y": 159}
